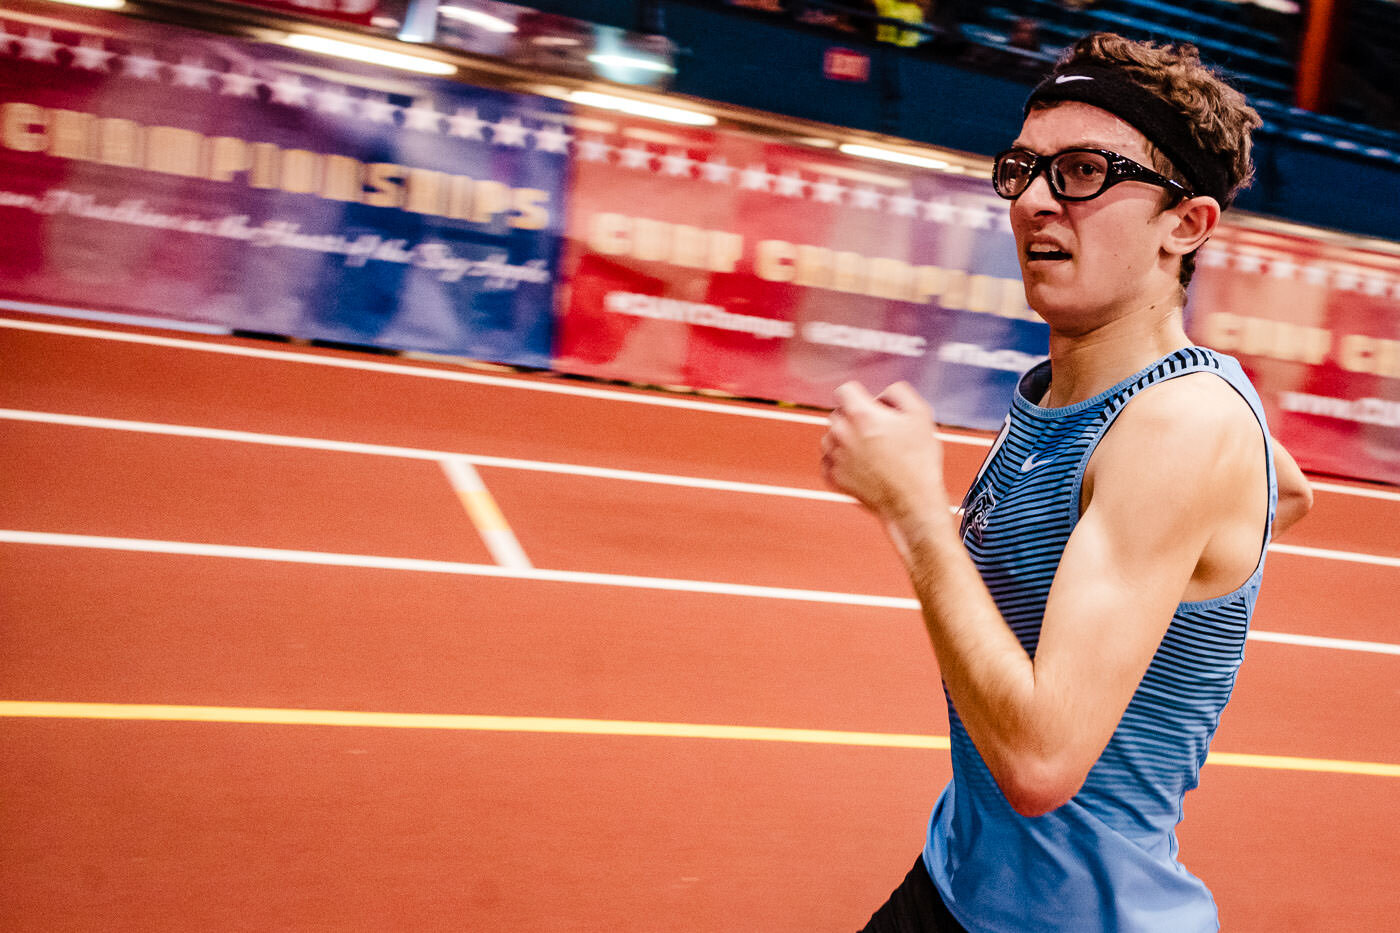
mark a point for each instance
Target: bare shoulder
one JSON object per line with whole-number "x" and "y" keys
{"x": 1193, "y": 437}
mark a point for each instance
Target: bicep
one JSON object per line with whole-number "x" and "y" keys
{"x": 1124, "y": 570}
{"x": 1113, "y": 597}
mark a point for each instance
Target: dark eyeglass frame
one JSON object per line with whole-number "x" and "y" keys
{"x": 1120, "y": 169}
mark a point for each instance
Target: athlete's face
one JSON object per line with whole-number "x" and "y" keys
{"x": 1087, "y": 262}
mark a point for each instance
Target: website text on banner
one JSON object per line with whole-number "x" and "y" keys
{"x": 182, "y": 175}
{"x": 724, "y": 261}
{"x": 1317, "y": 327}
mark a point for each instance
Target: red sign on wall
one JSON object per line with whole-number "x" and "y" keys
{"x": 846, "y": 65}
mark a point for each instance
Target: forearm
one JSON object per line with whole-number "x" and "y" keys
{"x": 988, "y": 675}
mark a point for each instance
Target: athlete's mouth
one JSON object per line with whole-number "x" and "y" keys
{"x": 1045, "y": 252}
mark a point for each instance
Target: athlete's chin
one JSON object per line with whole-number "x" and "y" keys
{"x": 1053, "y": 302}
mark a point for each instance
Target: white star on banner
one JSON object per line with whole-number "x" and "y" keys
{"x": 145, "y": 67}
{"x": 790, "y": 185}
{"x": 377, "y": 109}
{"x": 866, "y": 197}
{"x": 191, "y": 73}
{"x": 978, "y": 218}
{"x": 466, "y": 124}
{"x": 289, "y": 90}
{"x": 718, "y": 171}
{"x": 594, "y": 150}
{"x": 828, "y": 191}
{"x": 1282, "y": 268}
{"x": 422, "y": 116}
{"x": 1375, "y": 286}
{"x": 676, "y": 164}
{"x": 238, "y": 84}
{"x": 39, "y": 46}
{"x": 635, "y": 156}
{"x": 755, "y": 178}
{"x": 940, "y": 212}
{"x": 1395, "y": 291}
{"x": 553, "y": 138}
{"x": 1315, "y": 275}
{"x": 334, "y": 100}
{"x": 510, "y": 132}
{"x": 1346, "y": 281}
{"x": 903, "y": 205}
{"x": 90, "y": 55}
{"x": 1249, "y": 263}
{"x": 1213, "y": 259}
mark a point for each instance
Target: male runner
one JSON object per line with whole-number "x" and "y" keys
{"x": 1089, "y": 610}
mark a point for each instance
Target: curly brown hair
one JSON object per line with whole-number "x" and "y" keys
{"x": 1220, "y": 118}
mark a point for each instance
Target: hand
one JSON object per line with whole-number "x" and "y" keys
{"x": 883, "y": 451}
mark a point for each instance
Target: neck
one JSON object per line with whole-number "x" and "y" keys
{"x": 1083, "y": 364}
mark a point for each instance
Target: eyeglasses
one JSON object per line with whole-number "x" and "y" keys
{"x": 1073, "y": 174}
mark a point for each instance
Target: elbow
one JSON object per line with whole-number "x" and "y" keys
{"x": 1034, "y": 788}
{"x": 1293, "y": 504}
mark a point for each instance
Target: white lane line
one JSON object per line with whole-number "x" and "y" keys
{"x": 423, "y": 372}
{"x": 511, "y": 463}
{"x": 1318, "y": 641}
{"x": 485, "y": 514}
{"x": 322, "y": 558}
{"x": 414, "y": 453}
{"x": 1328, "y": 554}
{"x": 146, "y": 545}
{"x": 1365, "y": 492}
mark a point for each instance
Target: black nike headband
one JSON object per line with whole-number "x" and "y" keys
{"x": 1109, "y": 89}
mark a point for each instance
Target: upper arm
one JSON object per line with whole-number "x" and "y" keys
{"x": 1295, "y": 495}
{"x": 1160, "y": 487}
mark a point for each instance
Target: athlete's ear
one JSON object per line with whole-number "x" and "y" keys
{"x": 1195, "y": 219}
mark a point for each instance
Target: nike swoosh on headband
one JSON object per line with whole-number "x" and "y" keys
{"x": 1065, "y": 79}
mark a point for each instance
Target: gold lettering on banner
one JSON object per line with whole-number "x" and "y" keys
{"x": 301, "y": 171}
{"x": 1257, "y": 336}
{"x": 228, "y": 155}
{"x": 265, "y": 168}
{"x": 774, "y": 261}
{"x": 658, "y": 241}
{"x": 84, "y": 137}
{"x": 173, "y": 151}
{"x": 385, "y": 183}
{"x": 119, "y": 142}
{"x": 890, "y": 279}
{"x": 18, "y": 127}
{"x": 71, "y": 135}
{"x": 1375, "y": 356}
{"x": 490, "y": 198}
{"x": 531, "y": 206}
{"x": 342, "y": 179}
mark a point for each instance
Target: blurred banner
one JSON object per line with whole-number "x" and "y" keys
{"x": 1317, "y": 327}
{"x": 723, "y": 261}
{"x": 350, "y": 11}
{"x": 184, "y": 175}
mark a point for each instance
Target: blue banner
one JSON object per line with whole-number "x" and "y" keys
{"x": 173, "y": 173}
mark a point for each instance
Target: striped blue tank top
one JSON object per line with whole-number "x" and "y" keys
{"x": 1105, "y": 860}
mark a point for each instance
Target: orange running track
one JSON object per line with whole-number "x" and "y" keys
{"x": 566, "y": 754}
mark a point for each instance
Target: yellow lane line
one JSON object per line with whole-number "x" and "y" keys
{"x": 468, "y": 723}
{"x": 319, "y": 717}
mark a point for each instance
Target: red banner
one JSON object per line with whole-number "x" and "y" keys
{"x": 731, "y": 262}
{"x": 1317, "y": 327}
{"x": 351, "y": 11}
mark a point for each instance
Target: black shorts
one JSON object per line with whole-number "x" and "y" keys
{"x": 914, "y": 907}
